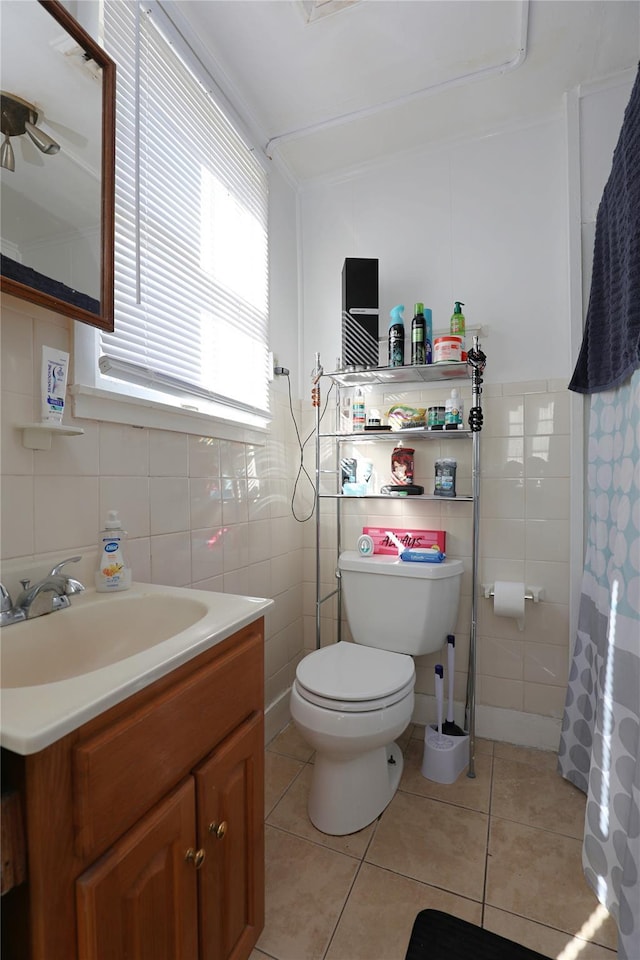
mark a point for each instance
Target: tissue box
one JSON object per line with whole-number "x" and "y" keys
{"x": 422, "y": 539}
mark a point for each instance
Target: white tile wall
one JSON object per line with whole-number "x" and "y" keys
{"x": 217, "y": 514}
{"x": 524, "y": 537}
{"x": 199, "y": 511}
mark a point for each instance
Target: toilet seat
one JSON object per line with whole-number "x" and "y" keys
{"x": 347, "y": 677}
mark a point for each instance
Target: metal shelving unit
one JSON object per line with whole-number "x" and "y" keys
{"x": 472, "y": 369}
{"x": 425, "y": 373}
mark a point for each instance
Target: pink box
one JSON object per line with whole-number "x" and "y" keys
{"x": 411, "y": 538}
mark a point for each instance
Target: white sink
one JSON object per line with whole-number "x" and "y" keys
{"x": 83, "y": 638}
{"x": 63, "y": 669}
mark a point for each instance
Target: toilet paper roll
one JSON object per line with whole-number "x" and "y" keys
{"x": 508, "y": 600}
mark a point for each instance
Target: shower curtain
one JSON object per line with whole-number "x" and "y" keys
{"x": 600, "y": 741}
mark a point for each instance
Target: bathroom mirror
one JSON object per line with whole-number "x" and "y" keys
{"x": 57, "y": 173}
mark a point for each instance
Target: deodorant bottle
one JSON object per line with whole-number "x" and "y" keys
{"x": 418, "y": 336}
{"x": 396, "y": 336}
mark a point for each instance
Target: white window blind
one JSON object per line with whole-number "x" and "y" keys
{"x": 191, "y": 254}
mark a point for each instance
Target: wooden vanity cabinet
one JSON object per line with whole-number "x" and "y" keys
{"x": 145, "y": 827}
{"x": 139, "y": 900}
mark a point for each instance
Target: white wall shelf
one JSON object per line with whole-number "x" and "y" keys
{"x": 37, "y": 436}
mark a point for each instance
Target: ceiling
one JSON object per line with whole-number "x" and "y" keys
{"x": 328, "y": 85}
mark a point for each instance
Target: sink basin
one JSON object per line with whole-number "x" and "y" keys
{"x": 86, "y": 637}
{"x": 67, "y": 667}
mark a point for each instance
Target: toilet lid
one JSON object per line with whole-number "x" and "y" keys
{"x": 346, "y": 676}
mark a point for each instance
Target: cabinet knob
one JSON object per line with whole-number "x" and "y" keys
{"x": 218, "y": 830}
{"x": 196, "y": 857}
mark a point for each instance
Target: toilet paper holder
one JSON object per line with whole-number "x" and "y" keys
{"x": 530, "y": 593}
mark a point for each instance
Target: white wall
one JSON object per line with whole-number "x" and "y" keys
{"x": 483, "y": 221}
{"x": 209, "y": 513}
{"x": 283, "y": 271}
{"x": 487, "y": 221}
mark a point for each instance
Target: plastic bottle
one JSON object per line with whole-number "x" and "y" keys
{"x": 428, "y": 336}
{"x": 113, "y": 571}
{"x": 453, "y": 416}
{"x": 358, "y": 411}
{"x": 396, "y": 337}
{"x": 346, "y": 416}
{"x": 457, "y": 324}
{"x": 418, "y": 335}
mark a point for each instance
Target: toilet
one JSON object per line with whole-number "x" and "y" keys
{"x": 351, "y": 700}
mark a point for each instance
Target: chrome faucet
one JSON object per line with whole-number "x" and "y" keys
{"x": 9, "y": 613}
{"x": 49, "y": 594}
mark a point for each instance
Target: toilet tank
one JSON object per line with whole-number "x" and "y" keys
{"x": 406, "y": 607}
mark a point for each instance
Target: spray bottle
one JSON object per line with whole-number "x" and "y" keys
{"x": 418, "y": 335}
{"x": 428, "y": 336}
{"x": 396, "y": 337}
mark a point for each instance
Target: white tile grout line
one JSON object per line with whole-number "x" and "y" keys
{"x": 486, "y": 852}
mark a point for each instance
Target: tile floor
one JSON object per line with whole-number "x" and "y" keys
{"x": 502, "y": 850}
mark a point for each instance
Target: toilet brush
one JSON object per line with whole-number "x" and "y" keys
{"x": 449, "y": 727}
{"x": 435, "y": 737}
{"x": 439, "y": 681}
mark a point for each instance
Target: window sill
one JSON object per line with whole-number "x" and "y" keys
{"x": 92, "y": 403}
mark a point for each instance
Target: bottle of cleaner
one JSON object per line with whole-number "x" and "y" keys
{"x": 457, "y": 324}
{"x": 428, "y": 336}
{"x": 396, "y": 337}
{"x": 358, "y": 411}
{"x": 453, "y": 416}
{"x": 418, "y": 335}
{"x": 113, "y": 571}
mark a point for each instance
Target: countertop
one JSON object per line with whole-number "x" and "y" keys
{"x": 33, "y": 717}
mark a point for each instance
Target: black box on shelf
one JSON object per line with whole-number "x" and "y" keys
{"x": 360, "y": 312}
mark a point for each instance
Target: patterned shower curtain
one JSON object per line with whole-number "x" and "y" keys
{"x": 600, "y": 741}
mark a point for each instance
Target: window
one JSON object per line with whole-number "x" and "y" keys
{"x": 191, "y": 257}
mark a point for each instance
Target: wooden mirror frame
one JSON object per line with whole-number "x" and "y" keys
{"x": 103, "y": 319}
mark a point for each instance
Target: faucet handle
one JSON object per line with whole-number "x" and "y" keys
{"x": 58, "y": 567}
{"x": 6, "y": 603}
{"x": 73, "y": 586}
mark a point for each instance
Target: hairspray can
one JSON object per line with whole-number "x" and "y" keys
{"x": 402, "y": 466}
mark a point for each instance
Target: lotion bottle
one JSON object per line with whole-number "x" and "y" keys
{"x": 453, "y": 414}
{"x": 113, "y": 571}
{"x": 457, "y": 323}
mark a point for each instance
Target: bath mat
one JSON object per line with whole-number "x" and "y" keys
{"x": 439, "y": 936}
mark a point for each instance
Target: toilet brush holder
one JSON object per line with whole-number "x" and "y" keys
{"x": 444, "y": 757}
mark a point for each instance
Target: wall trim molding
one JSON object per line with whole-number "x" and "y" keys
{"x": 276, "y": 716}
{"x": 498, "y": 723}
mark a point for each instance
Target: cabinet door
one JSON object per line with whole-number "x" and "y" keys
{"x": 230, "y": 820}
{"x": 139, "y": 900}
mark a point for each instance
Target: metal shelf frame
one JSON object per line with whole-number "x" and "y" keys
{"x": 472, "y": 369}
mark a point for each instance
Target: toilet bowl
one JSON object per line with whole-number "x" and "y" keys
{"x": 350, "y": 703}
{"x": 351, "y": 700}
